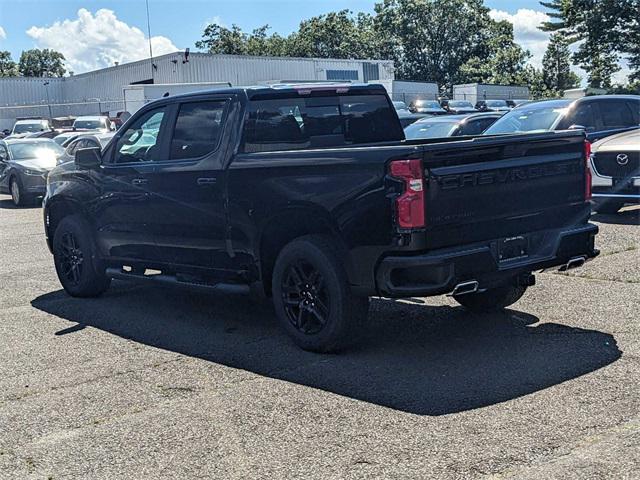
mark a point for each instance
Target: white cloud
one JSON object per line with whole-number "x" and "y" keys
{"x": 95, "y": 41}
{"x": 526, "y": 32}
{"x": 3, "y": 34}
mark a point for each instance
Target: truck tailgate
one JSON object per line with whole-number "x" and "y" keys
{"x": 491, "y": 187}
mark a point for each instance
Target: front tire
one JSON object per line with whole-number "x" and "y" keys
{"x": 492, "y": 299}
{"x": 75, "y": 258}
{"x": 312, "y": 296}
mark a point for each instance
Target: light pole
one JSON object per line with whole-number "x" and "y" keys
{"x": 46, "y": 89}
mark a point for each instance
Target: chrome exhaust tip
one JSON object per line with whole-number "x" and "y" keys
{"x": 575, "y": 262}
{"x": 464, "y": 288}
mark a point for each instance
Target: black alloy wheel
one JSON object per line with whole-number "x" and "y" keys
{"x": 71, "y": 259}
{"x": 305, "y": 297}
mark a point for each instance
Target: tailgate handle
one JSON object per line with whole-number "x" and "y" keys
{"x": 206, "y": 181}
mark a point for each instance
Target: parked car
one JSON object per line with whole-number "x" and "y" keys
{"x": 615, "y": 166}
{"x": 493, "y": 106}
{"x": 430, "y": 107}
{"x": 451, "y": 125}
{"x": 24, "y": 165}
{"x": 22, "y": 127}
{"x": 43, "y": 134}
{"x": 405, "y": 116}
{"x": 100, "y": 123}
{"x": 97, "y": 140}
{"x": 311, "y": 194}
{"x": 458, "y": 106}
{"x": 516, "y": 102}
{"x": 598, "y": 116}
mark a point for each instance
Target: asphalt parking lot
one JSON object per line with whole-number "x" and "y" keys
{"x": 149, "y": 382}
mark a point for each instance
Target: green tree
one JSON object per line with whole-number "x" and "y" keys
{"x": 432, "y": 39}
{"x": 41, "y": 63}
{"x": 600, "y": 27}
{"x": 556, "y": 66}
{"x": 8, "y": 68}
{"x": 500, "y": 60}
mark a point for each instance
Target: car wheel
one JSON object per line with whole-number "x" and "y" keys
{"x": 609, "y": 207}
{"x": 312, "y": 296}
{"x": 17, "y": 193}
{"x": 492, "y": 299}
{"x": 74, "y": 253}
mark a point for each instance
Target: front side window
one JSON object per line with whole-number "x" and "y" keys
{"x": 319, "y": 121}
{"x": 198, "y": 129}
{"x": 139, "y": 143}
{"x": 582, "y": 115}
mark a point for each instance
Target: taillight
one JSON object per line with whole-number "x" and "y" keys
{"x": 587, "y": 170}
{"x": 410, "y": 204}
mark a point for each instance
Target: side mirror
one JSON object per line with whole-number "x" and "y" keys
{"x": 88, "y": 158}
{"x": 577, "y": 127}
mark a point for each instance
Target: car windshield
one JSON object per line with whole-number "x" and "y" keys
{"x": 28, "y": 127}
{"x": 400, "y": 105}
{"x": 429, "y": 130}
{"x": 460, "y": 104}
{"x": 40, "y": 150}
{"x": 427, "y": 104}
{"x": 528, "y": 119}
{"x": 60, "y": 139}
{"x": 496, "y": 103}
{"x": 88, "y": 124}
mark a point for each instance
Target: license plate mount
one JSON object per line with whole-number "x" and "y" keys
{"x": 513, "y": 248}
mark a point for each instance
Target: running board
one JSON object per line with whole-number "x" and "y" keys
{"x": 172, "y": 280}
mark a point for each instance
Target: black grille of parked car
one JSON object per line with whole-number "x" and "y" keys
{"x": 617, "y": 164}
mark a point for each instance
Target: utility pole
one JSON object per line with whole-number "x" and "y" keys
{"x": 46, "y": 89}
{"x": 150, "y": 48}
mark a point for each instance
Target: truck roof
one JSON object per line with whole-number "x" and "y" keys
{"x": 301, "y": 88}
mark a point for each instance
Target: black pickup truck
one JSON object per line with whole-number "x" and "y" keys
{"x": 312, "y": 194}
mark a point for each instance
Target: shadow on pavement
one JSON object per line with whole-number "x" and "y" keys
{"x": 9, "y": 205}
{"x": 426, "y": 360}
{"x": 624, "y": 217}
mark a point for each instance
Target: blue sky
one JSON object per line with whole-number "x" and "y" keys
{"x": 180, "y": 21}
{"x": 96, "y": 33}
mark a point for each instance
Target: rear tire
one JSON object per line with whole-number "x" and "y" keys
{"x": 609, "y": 207}
{"x": 75, "y": 256}
{"x": 18, "y": 196}
{"x": 312, "y": 296}
{"x": 493, "y": 299}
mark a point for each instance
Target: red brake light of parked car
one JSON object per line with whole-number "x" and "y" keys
{"x": 587, "y": 170}
{"x": 410, "y": 204}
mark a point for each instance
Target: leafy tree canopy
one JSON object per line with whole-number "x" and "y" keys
{"x": 41, "y": 63}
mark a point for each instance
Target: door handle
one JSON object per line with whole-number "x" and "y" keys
{"x": 206, "y": 181}
{"x": 139, "y": 181}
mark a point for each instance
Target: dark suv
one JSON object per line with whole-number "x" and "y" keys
{"x": 598, "y": 116}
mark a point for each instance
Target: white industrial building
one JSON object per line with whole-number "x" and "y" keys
{"x": 474, "y": 92}
{"x": 102, "y": 90}
{"x": 408, "y": 91}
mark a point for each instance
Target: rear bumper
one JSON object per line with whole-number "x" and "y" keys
{"x": 438, "y": 272}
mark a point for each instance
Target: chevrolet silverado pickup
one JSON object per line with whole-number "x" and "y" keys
{"x": 311, "y": 194}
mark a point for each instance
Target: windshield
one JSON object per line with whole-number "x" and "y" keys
{"x": 525, "y": 119}
{"x": 496, "y": 103}
{"x": 89, "y": 124}
{"x": 429, "y": 130}
{"x": 28, "y": 151}
{"x": 28, "y": 127}
{"x": 460, "y": 104}
{"x": 400, "y": 105}
{"x": 427, "y": 104}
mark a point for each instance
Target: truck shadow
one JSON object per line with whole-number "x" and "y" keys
{"x": 624, "y": 217}
{"x": 421, "y": 359}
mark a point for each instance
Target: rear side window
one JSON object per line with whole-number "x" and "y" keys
{"x": 616, "y": 114}
{"x": 198, "y": 129}
{"x": 314, "y": 122}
